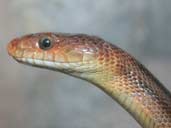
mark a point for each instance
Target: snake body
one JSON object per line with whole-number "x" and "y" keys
{"x": 103, "y": 64}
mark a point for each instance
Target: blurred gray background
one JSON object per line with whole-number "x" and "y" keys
{"x": 37, "y": 98}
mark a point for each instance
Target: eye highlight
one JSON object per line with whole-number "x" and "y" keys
{"x": 45, "y": 43}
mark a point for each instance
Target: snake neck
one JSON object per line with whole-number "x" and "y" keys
{"x": 140, "y": 93}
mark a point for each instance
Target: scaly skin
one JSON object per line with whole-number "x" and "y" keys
{"x": 106, "y": 66}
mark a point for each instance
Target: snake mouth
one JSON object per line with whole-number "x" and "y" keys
{"x": 72, "y": 67}
{"x": 51, "y": 64}
{"x": 42, "y": 62}
{"x": 59, "y": 66}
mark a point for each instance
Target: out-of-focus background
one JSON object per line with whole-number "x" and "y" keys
{"x": 37, "y": 98}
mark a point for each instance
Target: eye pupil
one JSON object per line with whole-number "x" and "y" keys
{"x": 45, "y": 44}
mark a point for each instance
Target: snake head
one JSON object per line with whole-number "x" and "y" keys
{"x": 64, "y": 52}
{"x": 79, "y": 55}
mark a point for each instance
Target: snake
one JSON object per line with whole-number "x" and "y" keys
{"x": 102, "y": 64}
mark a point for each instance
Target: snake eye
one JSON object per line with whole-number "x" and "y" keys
{"x": 45, "y": 43}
